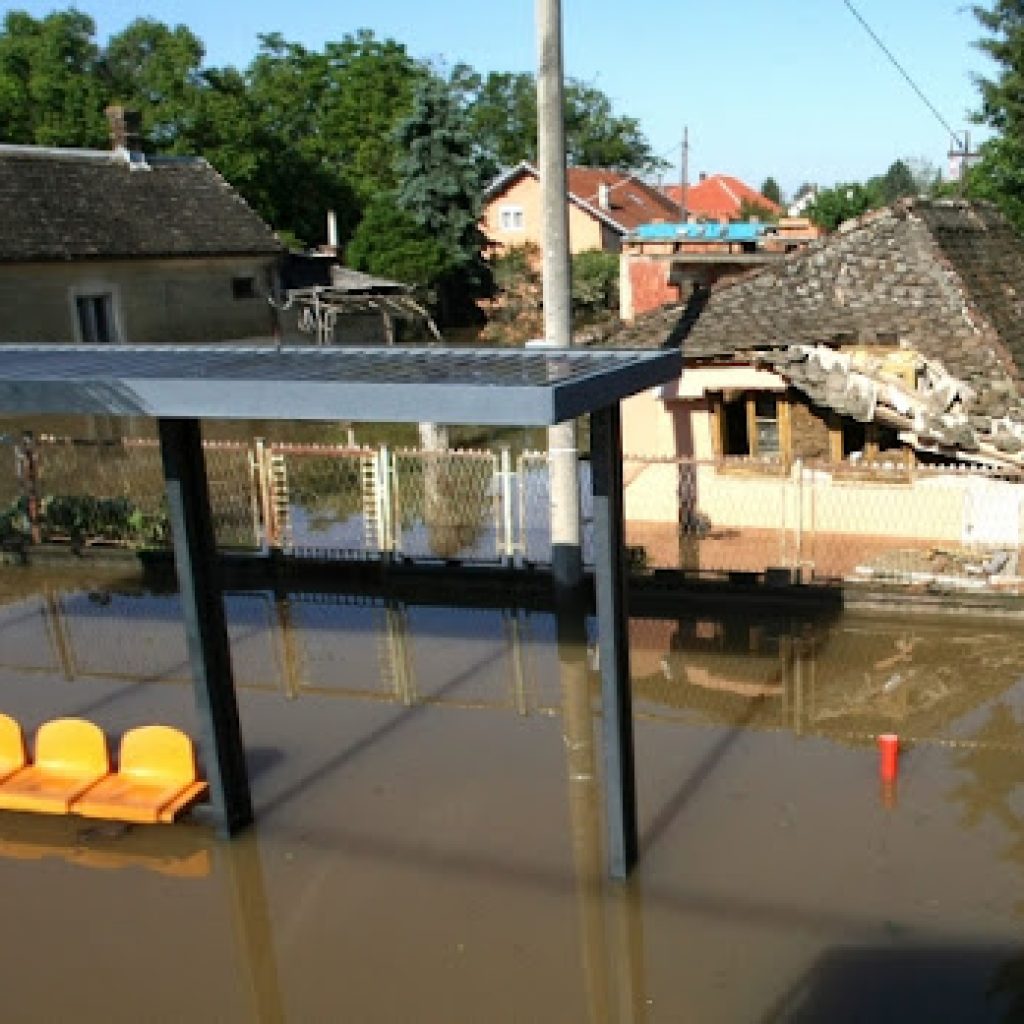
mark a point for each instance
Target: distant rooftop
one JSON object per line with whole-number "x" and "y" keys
{"x": 621, "y": 200}
{"x": 80, "y": 204}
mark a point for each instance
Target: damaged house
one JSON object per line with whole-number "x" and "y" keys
{"x": 868, "y": 387}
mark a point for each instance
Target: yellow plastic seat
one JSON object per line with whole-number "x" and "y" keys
{"x": 71, "y": 755}
{"x": 12, "y": 747}
{"x": 156, "y": 779}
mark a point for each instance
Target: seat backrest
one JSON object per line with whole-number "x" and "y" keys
{"x": 72, "y": 745}
{"x": 12, "y": 745}
{"x": 158, "y": 752}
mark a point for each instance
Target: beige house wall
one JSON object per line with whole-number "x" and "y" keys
{"x": 670, "y": 463}
{"x": 585, "y": 230}
{"x": 152, "y": 300}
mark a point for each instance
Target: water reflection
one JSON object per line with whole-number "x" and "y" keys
{"x": 429, "y": 784}
{"x": 603, "y": 965}
{"x": 850, "y": 678}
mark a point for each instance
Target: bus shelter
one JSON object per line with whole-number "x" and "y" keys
{"x": 179, "y": 386}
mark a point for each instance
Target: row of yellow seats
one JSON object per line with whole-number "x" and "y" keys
{"x": 156, "y": 778}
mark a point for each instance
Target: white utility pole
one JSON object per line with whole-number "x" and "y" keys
{"x": 566, "y": 558}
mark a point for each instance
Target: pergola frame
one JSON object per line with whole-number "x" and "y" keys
{"x": 180, "y": 386}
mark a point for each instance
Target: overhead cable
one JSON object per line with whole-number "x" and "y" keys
{"x": 899, "y": 67}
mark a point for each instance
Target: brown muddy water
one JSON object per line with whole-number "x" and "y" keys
{"x": 429, "y": 843}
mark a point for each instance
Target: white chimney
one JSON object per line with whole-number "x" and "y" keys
{"x": 604, "y": 196}
{"x": 332, "y": 230}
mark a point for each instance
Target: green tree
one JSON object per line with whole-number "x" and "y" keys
{"x": 156, "y": 70}
{"x": 770, "y": 190}
{"x": 999, "y": 174}
{"x": 595, "y": 283}
{"x": 832, "y": 206}
{"x": 897, "y": 182}
{"x": 502, "y": 112}
{"x": 50, "y": 93}
{"x": 441, "y": 188}
{"x": 327, "y": 117}
{"x": 390, "y": 243}
{"x": 369, "y": 90}
{"x": 752, "y": 210}
{"x": 597, "y": 137}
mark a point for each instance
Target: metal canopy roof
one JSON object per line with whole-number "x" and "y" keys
{"x": 532, "y": 387}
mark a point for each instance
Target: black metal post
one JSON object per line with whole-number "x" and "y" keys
{"x": 195, "y": 556}
{"x": 613, "y": 640}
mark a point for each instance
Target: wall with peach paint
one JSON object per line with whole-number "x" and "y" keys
{"x": 670, "y": 465}
{"x": 585, "y": 230}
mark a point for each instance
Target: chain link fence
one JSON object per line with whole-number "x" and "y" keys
{"x": 886, "y": 522}
{"x": 89, "y": 492}
{"x": 928, "y": 525}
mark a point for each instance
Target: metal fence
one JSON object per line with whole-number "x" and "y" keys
{"x": 943, "y": 525}
{"x": 111, "y": 492}
{"x": 918, "y": 524}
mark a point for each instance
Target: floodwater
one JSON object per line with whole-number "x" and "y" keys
{"x": 429, "y": 844}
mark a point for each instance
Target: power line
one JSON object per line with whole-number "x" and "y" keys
{"x": 899, "y": 67}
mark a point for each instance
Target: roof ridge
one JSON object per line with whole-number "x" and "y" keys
{"x": 71, "y": 153}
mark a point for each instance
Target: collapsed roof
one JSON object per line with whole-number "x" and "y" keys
{"x": 941, "y": 281}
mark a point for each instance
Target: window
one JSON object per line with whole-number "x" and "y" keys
{"x": 855, "y": 440}
{"x": 96, "y": 318}
{"x": 766, "y": 425}
{"x": 511, "y": 218}
{"x": 752, "y": 424}
{"x": 867, "y": 449}
{"x": 243, "y": 287}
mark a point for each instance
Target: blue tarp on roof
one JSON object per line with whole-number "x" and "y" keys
{"x": 713, "y": 232}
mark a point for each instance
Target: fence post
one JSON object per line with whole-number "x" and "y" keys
{"x": 507, "y": 545}
{"x": 27, "y": 455}
{"x": 385, "y": 501}
{"x": 521, "y": 505}
{"x": 799, "y": 553}
{"x": 260, "y": 494}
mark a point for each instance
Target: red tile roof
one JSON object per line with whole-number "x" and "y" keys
{"x": 718, "y": 196}
{"x": 631, "y": 201}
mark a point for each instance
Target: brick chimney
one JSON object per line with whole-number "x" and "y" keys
{"x": 125, "y": 128}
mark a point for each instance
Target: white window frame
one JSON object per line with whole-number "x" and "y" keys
{"x": 510, "y": 218}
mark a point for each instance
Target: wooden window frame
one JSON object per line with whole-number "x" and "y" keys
{"x": 890, "y": 468}
{"x": 753, "y": 461}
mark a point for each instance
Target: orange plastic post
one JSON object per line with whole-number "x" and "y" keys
{"x": 888, "y": 747}
{"x": 71, "y": 756}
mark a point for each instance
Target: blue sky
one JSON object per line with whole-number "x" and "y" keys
{"x": 791, "y": 88}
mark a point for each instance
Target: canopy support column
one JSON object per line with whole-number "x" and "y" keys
{"x": 613, "y": 640}
{"x": 195, "y": 557}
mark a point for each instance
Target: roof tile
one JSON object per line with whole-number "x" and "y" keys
{"x": 81, "y": 204}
